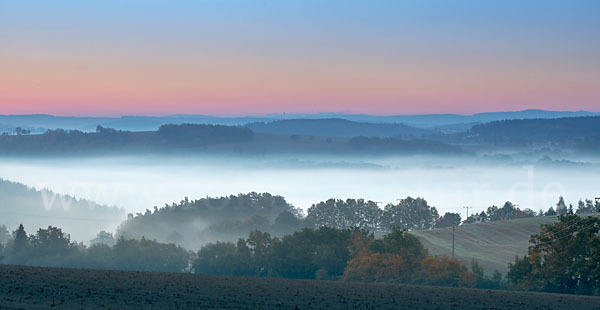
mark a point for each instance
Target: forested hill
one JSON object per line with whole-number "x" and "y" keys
{"x": 35, "y": 209}
{"x": 206, "y": 138}
{"x": 336, "y": 127}
{"x": 578, "y": 132}
{"x": 194, "y": 222}
{"x": 108, "y": 139}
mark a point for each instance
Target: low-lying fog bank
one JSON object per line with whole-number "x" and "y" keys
{"x": 139, "y": 183}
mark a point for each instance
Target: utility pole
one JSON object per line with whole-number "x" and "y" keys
{"x": 453, "y": 228}
{"x": 467, "y": 211}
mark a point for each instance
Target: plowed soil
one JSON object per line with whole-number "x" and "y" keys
{"x": 43, "y": 288}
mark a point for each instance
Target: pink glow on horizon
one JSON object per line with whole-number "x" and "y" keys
{"x": 224, "y": 85}
{"x": 128, "y": 92}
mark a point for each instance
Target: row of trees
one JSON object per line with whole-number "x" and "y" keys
{"x": 192, "y": 223}
{"x": 509, "y": 211}
{"x": 416, "y": 214}
{"x": 563, "y": 258}
{"x": 410, "y": 213}
{"x": 109, "y": 139}
{"x": 324, "y": 253}
{"x": 52, "y": 247}
{"x": 305, "y": 254}
{"x": 339, "y": 254}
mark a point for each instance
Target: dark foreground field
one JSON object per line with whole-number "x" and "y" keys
{"x": 42, "y": 288}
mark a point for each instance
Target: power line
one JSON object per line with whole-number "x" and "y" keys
{"x": 453, "y": 228}
{"x": 467, "y": 210}
{"x": 563, "y": 229}
{"x": 568, "y": 225}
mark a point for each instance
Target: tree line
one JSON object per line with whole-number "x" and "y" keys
{"x": 323, "y": 253}
{"x": 192, "y": 223}
{"x": 196, "y": 222}
{"x": 339, "y": 254}
{"x": 510, "y": 212}
{"x": 575, "y": 132}
{"x": 108, "y": 139}
{"x": 563, "y": 258}
{"x": 52, "y": 247}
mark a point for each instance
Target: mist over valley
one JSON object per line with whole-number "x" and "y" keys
{"x": 138, "y": 171}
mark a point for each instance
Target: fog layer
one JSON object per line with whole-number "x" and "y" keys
{"x": 139, "y": 183}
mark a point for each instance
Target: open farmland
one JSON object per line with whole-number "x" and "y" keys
{"x": 41, "y": 288}
{"x": 492, "y": 244}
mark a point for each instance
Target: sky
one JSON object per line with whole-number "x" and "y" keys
{"x": 241, "y": 57}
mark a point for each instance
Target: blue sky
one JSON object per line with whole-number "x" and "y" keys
{"x": 253, "y": 57}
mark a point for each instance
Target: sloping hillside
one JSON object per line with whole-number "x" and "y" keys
{"x": 493, "y": 244}
{"x": 20, "y": 204}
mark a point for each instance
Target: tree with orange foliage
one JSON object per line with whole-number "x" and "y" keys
{"x": 369, "y": 266}
{"x": 400, "y": 257}
{"x": 445, "y": 271}
{"x": 377, "y": 267}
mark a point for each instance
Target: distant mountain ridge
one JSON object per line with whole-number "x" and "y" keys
{"x": 40, "y": 122}
{"x": 436, "y": 120}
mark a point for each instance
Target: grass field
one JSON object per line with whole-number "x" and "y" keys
{"x": 43, "y": 288}
{"x": 493, "y": 244}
